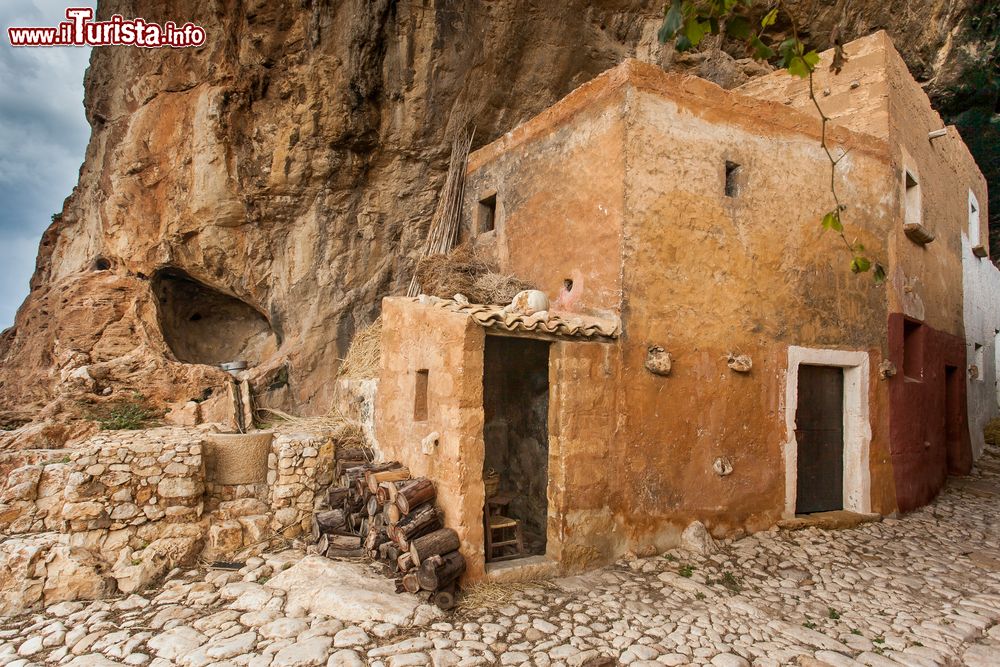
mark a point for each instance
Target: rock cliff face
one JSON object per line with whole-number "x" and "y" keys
{"x": 255, "y": 198}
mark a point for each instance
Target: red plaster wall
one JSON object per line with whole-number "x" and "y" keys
{"x": 922, "y": 456}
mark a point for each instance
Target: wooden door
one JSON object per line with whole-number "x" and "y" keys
{"x": 819, "y": 431}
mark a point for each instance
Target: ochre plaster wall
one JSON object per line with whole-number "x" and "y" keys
{"x": 450, "y": 347}
{"x": 876, "y": 94}
{"x": 559, "y": 198}
{"x": 707, "y": 275}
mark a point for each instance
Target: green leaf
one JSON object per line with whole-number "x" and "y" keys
{"x": 738, "y": 27}
{"x": 860, "y": 264}
{"x": 879, "y": 274}
{"x": 832, "y": 221}
{"x": 770, "y": 18}
{"x": 672, "y": 22}
{"x": 811, "y": 59}
{"x": 761, "y": 50}
{"x": 682, "y": 43}
{"x": 696, "y": 30}
{"x": 798, "y": 67}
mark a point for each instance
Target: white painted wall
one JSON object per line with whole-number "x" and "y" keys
{"x": 981, "y": 294}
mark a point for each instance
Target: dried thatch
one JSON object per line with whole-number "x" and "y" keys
{"x": 992, "y": 432}
{"x": 462, "y": 271}
{"x": 362, "y": 360}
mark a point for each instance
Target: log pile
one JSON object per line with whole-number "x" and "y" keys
{"x": 378, "y": 510}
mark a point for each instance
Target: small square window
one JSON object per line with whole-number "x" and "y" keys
{"x": 420, "y": 396}
{"x": 911, "y": 199}
{"x": 974, "y": 239}
{"x": 733, "y": 171}
{"x": 913, "y": 350}
{"x": 487, "y": 214}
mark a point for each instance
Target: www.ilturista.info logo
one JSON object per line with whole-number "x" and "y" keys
{"x": 80, "y": 30}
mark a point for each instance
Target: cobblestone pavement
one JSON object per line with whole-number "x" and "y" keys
{"x": 920, "y": 590}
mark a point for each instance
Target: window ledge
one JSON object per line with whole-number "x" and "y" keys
{"x": 917, "y": 233}
{"x": 979, "y": 251}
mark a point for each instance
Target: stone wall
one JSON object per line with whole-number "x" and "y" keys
{"x": 124, "y": 509}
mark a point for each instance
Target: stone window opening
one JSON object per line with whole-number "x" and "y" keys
{"x": 203, "y": 325}
{"x": 911, "y": 199}
{"x": 978, "y": 361}
{"x": 913, "y": 351}
{"x": 733, "y": 171}
{"x": 486, "y": 216}
{"x": 913, "y": 212}
{"x": 420, "y": 395}
{"x": 975, "y": 239}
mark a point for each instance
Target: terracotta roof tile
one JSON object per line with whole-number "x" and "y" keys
{"x": 570, "y": 325}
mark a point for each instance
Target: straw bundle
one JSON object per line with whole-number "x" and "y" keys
{"x": 462, "y": 271}
{"x": 443, "y": 231}
{"x": 362, "y": 359}
{"x": 992, "y": 432}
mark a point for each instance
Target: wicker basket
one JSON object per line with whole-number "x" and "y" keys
{"x": 237, "y": 458}
{"x": 491, "y": 482}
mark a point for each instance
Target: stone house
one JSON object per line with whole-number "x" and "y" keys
{"x": 708, "y": 354}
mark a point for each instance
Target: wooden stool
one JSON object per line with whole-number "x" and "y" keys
{"x": 501, "y": 531}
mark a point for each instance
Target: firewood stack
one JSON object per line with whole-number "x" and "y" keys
{"x": 380, "y": 511}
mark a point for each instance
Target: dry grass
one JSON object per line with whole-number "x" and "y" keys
{"x": 462, "y": 271}
{"x": 491, "y": 594}
{"x": 346, "y": 433}
{"x": 362, "y": 360}
{"x": 498, "y": 288}
{"x": 992, "y": 432}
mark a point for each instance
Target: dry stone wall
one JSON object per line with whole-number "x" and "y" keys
{"x": 120, "y": 512}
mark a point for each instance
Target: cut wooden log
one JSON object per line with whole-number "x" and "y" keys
{"x": 388, "y": 553}
{"x": 437, "y": 572}
{"x": 328, "y": 521}
{"x": 346, "y": 553}
{"x": 322, "y": 544}
{"x": 336, "y": 496}
{"x": 355, "y": 521}
{"x": 376, "y": 537}
{"x": 382, "y": 492}
{"x": 403, "y": 562}
{"x": 410, "y": 582}
{"x": 421, "y": 521}
{"x": 391, "y": 513}
{"x": 445, "y": 599}
{"x": 376, "y": 477}
{"x": 343, "y": 542}
{"x": 439, "y": 542}
{"x": 394, "y": 488}
{"x": 373, "y": 506}
{"x": 416, "y": 493}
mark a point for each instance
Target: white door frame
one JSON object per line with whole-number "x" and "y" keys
{"x": 857, "y": 427}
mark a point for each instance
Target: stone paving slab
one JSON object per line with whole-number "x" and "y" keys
{"x": 922, "y": 589}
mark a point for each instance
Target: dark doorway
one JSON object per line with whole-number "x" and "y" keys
{"x": 953, "y": 418}
{"x": 819, "y": 431}
{"x": 515, "y": 432}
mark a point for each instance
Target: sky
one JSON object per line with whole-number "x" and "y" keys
{"x": 43, "y": 137}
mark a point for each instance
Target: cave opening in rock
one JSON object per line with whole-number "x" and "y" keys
{"x": 202, "y": 325}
